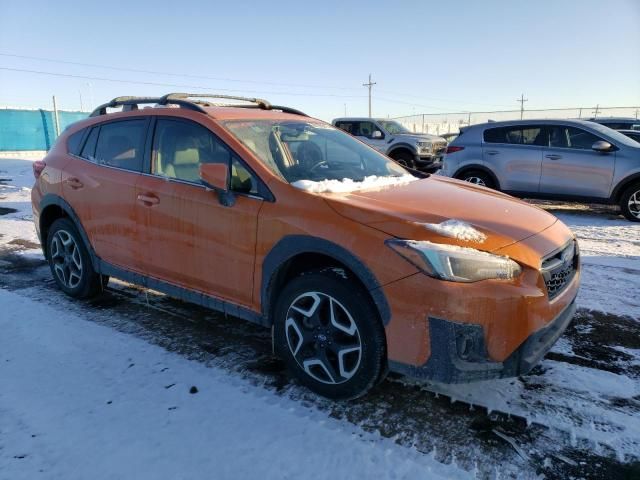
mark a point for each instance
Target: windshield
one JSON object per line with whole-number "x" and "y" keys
{"x": 302, "y": 150}
{"x": 614, "y": 135}
{"x": 393, "y": 127}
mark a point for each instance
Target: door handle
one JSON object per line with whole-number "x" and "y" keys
{"x": 148, "y": 200}
{"x": 492, "y": 152}
{"x": 74, "y": 183}
{"x": 553, "y": 157}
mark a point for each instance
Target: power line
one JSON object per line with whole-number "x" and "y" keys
{"x": 227, "y": 79}
{"x": 184, "y": 75}
{"x": 442, "y": 99}
{"x": 159, "y": 84}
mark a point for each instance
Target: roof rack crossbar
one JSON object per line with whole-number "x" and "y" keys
{"x": 265, "y": 105}
{"x": 185, "y": 100}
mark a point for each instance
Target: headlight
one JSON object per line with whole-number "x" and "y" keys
{"x": 424, "y": 145}
{"x": 453, "y": 263}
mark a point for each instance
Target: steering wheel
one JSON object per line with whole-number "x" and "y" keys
{"x": 317, "y": 165}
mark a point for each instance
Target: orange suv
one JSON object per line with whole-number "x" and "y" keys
{"x": 358, "y": 265}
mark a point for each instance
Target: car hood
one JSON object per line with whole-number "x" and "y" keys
{"x": 410, "y": 211}
{"x": 418, "y": 136}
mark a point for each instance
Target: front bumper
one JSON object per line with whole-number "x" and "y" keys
{"x": 459, "y": 353}
{"x": 428, "y": 163}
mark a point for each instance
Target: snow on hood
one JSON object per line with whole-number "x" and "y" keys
{"x": 347, "y": 185}
{"x": 457, "y": 229}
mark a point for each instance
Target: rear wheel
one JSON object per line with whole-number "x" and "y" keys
{"x": 327, "y": 331}
{"x": 630, "y": 203}
{"x": 478, "y": 177}
{"x": 70, "y": 262}
{"x": 404, "y": 158}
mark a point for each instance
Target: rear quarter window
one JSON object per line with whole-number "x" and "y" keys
{"x": 74, "y": 142}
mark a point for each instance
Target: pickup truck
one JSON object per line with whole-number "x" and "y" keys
{"x": 420, "y": 151}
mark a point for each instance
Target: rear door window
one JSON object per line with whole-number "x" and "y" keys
{"x": 89, "y": 149}
{"x": 347, "y": 127}
{"x": 517, "y": 135}
{"x": 121, "y": 144}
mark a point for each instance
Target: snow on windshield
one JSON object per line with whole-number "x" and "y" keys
{"x": 457, "y": 229}
{"x": 347, "y": 185}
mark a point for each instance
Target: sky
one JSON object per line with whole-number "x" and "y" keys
{"x": 425, "y": 57}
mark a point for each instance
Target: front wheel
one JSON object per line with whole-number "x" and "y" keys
{"x": 478, "y": 177}
{"x": 630, "y": 203}
{"x": 404, "y": 158}
{"x": 328, "y": 332}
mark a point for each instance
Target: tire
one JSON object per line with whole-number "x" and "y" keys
{"x": 404, "y": 158}
{"x": 478, "y": 177}
{"x": 630, "y": 203}
{"x": 340, "y": 359}
{"x": 70, "y": 262}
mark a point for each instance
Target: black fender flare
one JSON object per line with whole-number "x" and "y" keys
{"x": 405, "y": 146}
{"x": 482, "y": 168}
{"x": 52, "y": 199}
{"x": 292, "y": 245}
{"x": 622, "y": 186}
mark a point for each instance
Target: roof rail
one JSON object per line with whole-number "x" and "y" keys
{"x": 185, "y": 100}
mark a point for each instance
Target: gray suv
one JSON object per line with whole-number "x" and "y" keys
{"x": 414, "y": 150}
{"x": 555, "y": 159}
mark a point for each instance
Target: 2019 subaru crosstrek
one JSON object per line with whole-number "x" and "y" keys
{"x": 269, "y": 215}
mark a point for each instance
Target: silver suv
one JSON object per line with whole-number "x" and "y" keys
{"x": 414, "y": 150}
{"x": 556, "y": 159}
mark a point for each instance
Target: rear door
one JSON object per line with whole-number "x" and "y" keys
{"x": 189, "y": 238}
{"x": 514, "y": 154}
{"x": 100, "y": 187}
{"x": 571, "y": 167}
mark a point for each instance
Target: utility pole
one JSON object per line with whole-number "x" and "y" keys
{"x": 56, "y": 119}
{"x": 345, "y": 109}
{"x": 81, "y": 106}
{"x": 369, "y": 85}
{"x": 596, "y": 111}
{"x": 522, "y": 100}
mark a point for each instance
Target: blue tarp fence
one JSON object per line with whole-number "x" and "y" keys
{"x": 32, "y": 129}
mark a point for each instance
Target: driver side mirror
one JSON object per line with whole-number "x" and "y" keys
{"x": 602, "y": 146}
{"x": 216, "y": 177}
{"x": 377, "y": 134}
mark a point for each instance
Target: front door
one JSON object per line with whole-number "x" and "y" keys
{"x": 571, "y": 167}
{"x": 190, "y": 239}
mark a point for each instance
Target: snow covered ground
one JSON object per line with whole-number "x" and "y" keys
{"x": 80, "y": 401}
{"x": 101, "y": 389}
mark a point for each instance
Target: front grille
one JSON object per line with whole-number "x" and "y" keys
{"x": 559, "y": 268}
{"x": 438, "y": 147}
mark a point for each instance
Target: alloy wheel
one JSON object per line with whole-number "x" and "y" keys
{"x": 634, "y": 204}
{"x": 323, "y": 338}
{"x": 65, "y": 257}
{"x": 476, "y": 181}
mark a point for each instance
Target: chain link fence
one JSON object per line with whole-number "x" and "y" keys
{"x": 441, "y": 123}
